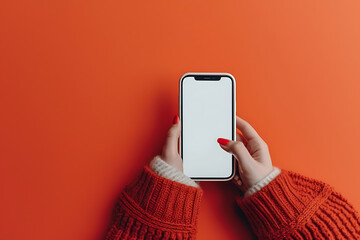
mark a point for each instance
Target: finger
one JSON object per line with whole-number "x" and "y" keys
{"x": 237, "y": 180}
{"x": 172, "y": 138}
{"x": 240, "y": 137}
{"x": 246, "y": 129}
{"x": 238, "y": 149}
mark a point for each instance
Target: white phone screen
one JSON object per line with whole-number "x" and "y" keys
{"x": 207, "y": 113}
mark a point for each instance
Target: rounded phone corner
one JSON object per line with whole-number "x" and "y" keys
{"x": 183, "y": 77}
{"x": 233, "y": 173}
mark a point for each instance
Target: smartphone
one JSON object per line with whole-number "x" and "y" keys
{"x": 207, "y": 112}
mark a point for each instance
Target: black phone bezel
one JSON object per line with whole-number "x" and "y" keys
{"x": 205, "y": 77}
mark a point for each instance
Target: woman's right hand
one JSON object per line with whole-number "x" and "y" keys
{"x": 252, "y": 154}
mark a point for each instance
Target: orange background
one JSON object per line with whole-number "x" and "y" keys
{"x": 89, "y": 88}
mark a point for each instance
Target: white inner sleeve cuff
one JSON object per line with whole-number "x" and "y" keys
{"x": 263, "y": 182}
{"x": 165, "y": 170}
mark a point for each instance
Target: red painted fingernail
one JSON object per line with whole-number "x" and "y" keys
{"x": 176, "y": 119}
{"x": 223, "y": 141}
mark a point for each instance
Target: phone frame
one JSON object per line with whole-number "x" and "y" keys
{"x": 210, "y": 75}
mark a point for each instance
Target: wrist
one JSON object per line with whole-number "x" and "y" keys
{"x": 163, "y": 169}
{"x": 263, "y": 182}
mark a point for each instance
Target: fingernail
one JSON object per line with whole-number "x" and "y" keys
{"x": 176, "y": 119}
{"x": 223, "y": 141}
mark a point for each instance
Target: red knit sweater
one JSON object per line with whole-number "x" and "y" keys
{"x": 289, "y": 207}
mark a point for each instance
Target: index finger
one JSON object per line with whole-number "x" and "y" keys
{"x": 247, "y": 130}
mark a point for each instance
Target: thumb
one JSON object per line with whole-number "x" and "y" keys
{"x": 171, "y": 145}
{"x": 239, "y": 150}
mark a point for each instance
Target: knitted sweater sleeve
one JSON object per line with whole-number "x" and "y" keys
{"x": 296, "y": 207}
{"x": 154, "y": 207}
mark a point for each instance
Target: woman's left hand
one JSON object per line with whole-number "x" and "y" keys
{"x": 170, "y": 153}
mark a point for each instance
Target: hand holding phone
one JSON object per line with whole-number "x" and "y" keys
{"x": 252, "y": 154}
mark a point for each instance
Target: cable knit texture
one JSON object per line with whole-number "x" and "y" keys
{"x": 296, "y": 207}
{"x": 154, "y": 207}
{"x": 163, "y": 169}
{"x": 291, "y": 206}
{"x": 263, "y": 182}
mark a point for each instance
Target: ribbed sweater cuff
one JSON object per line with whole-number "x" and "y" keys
{"x": 158, "y": 200}
{"x": 288, "y": 200}
{"x": 163, "y": 169}
{"x": 263, "y": 182}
